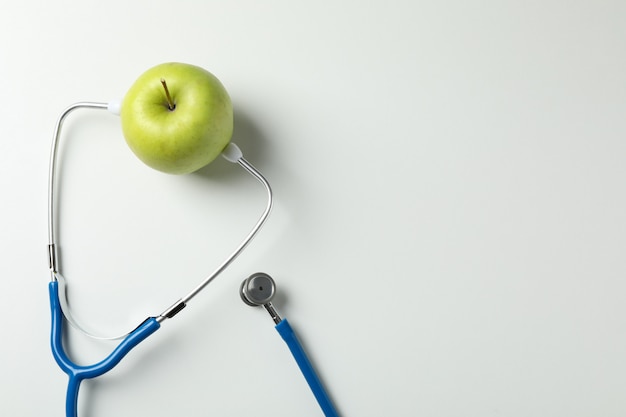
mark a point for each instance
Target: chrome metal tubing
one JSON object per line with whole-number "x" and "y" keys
{"x": 52, "y": 249}
{"x": 270, "y": 309}
{"x": 53, "y": 260}
{"x": 268, "y": 208}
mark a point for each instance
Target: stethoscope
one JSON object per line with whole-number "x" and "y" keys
{"x": 256, "y": 290}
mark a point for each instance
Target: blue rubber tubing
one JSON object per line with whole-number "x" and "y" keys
{"x": 78, "y": 373}
{"x": 288, "y": 335}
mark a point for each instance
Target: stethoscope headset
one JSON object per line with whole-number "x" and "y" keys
{"x": 256, "y": 290}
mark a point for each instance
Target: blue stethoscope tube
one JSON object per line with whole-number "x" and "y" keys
{"x": 78, "y": 373}
{"x": 288, "y": 335}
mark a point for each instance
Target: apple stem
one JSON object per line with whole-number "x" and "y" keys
{"x": 170, "y": 103}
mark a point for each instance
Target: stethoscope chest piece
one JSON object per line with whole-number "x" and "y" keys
{"x": 258, "y": 289}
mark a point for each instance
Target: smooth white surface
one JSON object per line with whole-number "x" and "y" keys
{"x": 449, "y": 232}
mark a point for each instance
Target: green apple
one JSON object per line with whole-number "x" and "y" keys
{"x": 177, "y": 117}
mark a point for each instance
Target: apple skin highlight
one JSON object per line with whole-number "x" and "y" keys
{"x": 184, "y": 139}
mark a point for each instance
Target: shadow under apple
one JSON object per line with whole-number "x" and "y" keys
{"x": 250, "y": 140}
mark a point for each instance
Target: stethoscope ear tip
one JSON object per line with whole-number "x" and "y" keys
{"x": 232, "y": 153}
{"x": 258, "y": 289}
{"x": 115, "y": 107}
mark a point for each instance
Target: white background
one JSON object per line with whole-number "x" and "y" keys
{"x": 448, "y": 235}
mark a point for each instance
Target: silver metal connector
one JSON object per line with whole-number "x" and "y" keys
{"x": 173, "y": 310}
{"x": 52, "y": 257}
